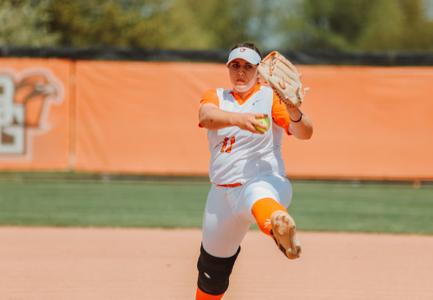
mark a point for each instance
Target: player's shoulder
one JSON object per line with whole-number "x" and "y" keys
{"x": 266, "y": 92}
{"x": 266, "y": 88}
{"x": 209, "y": 93}
{"x": 211, "y": 96}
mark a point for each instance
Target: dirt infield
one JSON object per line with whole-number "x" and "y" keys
{"x": 58, "y": 263}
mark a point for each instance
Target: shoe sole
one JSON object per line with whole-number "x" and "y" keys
{"x": 284, "y": 234}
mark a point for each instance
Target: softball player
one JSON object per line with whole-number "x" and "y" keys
{"x": 246, "y": 170}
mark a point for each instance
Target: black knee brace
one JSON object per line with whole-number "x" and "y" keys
{"x": 214, "y": 272}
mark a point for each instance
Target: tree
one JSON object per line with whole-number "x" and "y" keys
{"x": 345, "y": 25}
{"x": 225, "y": 22}
{"x": 418, "y": 27}
{"x": 383, "y": 31}
{"x": 331, "y": 24}
{"x": 352, "y": 25}
{"x": 86, "y": 23}
{"x": 26, "y": 23}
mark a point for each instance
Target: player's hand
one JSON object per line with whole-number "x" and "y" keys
{"x": 248, "y": 121}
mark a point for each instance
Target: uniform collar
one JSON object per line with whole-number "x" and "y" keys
{"x": 241, "y": 100}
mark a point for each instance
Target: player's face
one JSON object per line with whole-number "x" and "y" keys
{"x": 242, "y": 74}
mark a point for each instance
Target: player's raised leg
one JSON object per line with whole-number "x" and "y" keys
{"x": 267, "y": 198}
{"x": 274, "y": 219}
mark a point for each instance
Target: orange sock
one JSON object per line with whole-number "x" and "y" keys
{"x": 200, "y": 295}
{"x": 262, "y": 211}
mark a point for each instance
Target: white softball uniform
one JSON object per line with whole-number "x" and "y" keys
{"x": 238, "y": 155}
{"x": 252, "y": 163}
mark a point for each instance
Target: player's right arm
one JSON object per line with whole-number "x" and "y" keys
{"x": 212, "y": 117}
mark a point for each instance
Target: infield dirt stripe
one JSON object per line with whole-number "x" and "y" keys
{"x": 103, "y": 263}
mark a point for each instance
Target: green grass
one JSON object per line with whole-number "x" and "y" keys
{"x": 363, "y": 207}
{"x": 321, "y": 206}
{"x": 114, "y": 204}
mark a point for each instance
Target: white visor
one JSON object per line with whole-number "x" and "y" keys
{"x": 246, "y": 54}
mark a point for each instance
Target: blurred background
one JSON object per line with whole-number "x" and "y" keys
{"x": 338, "y": 25}
{"x": 99, "y": 101}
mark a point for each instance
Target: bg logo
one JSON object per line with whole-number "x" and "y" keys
{"x": 25, "y": 99}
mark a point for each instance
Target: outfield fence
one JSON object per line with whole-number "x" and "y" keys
{"x": 141, "y": 117}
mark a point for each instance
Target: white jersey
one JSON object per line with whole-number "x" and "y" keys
{"x": 238, "y": 155}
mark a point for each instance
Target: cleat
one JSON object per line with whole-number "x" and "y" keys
{"x": 284, "y": 234}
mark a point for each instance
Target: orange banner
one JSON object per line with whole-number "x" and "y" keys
{"x": 141, "y": 117}
{"x": 35, "y": 114}
{"x": 370, "y": 122}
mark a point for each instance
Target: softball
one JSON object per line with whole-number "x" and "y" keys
{"x": 265, "y": 122}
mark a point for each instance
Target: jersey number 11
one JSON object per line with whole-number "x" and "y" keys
{"x": 227, "y": 148}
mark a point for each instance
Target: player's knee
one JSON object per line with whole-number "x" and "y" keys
{"x": 214, "y": 272}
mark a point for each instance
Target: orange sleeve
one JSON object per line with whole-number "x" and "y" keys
{"x": 210, "y": 96}
{"x": 279, "y": 113}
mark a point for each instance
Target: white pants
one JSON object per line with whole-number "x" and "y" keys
{"x": 228, "y": 214}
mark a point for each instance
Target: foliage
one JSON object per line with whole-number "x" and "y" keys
{"x": 350, "y": 25}
{"x": 346, "y": 25}
{"x": 225, "y": 22}
{"x": 25, "y": 23}
{"x": 85, "y": 23}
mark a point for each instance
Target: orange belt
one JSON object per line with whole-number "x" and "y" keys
{"x": 230, "y": 185}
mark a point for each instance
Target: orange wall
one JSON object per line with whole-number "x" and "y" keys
{"x": 370, "y": 122}
{"x": 47, "y": 141}
{"x": 141, "y": 117}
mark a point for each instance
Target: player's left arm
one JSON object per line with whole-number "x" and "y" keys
{"x": 300, "y": 124}
{"x": 292, "y": 119}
